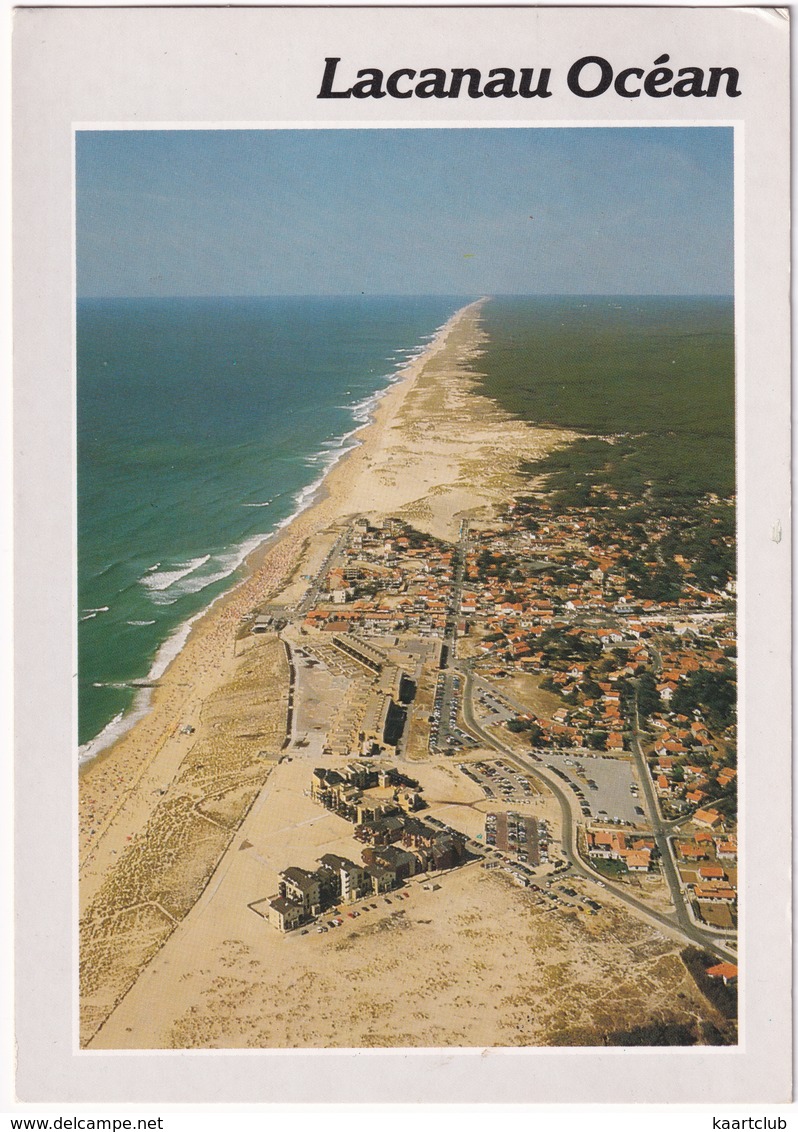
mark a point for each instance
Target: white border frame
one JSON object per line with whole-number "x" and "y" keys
{"x": 756, "y": 1072}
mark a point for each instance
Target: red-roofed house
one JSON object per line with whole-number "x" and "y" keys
{"x": 711, "y": 873}
{"x": 725, "y": 971}
{"x": 607, "y": 843}
{"x": 637, "y": 860}
{"x": 709, "y": 818}
{"x": 715, "y": 894}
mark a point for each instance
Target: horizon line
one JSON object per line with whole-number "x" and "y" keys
{"x": 471, "y": 296}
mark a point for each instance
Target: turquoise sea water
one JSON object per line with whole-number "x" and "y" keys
{"x": 203, "y": 425}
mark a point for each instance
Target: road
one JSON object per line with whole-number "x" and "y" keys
{"x": 455, "y": 601}
{"x": 311, "y": 597}
{"x": 672, "y": 924}
{"x": 661, "y": 830}
{"x": 448, "y": 667}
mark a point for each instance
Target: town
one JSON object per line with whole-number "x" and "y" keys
{"x": 581, "y": 650}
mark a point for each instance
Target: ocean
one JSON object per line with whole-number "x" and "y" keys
{"x": 203, "y": 426}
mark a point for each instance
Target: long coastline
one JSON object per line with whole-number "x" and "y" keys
{"x": 151, "y": 850}
{"x": 174, "y": 953}
{"x": 241, "y": 557}
{"x": 112, "y": 773}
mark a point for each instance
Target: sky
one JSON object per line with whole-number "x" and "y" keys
{"x": 405, "y": 211}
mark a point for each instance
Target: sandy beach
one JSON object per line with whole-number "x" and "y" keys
{"x": 434, "y": 451}
{"x": 187, "y": 820}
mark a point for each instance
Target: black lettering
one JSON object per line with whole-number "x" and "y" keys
{"x": 620, "y": 82}
{"x": 692, "y": 86}
{"x": 658, "y": 78}
{"x": 503, "y": 86}
{"x": 434, "y": 86}
{"x": 525, "y": 83}
{"x": 575, "y": 76}
{"x": 391, "y": 83}
{"x": 328, "y": 79}
{"x": 474, "y": 79}
{"x": 732, "y": 79}
{"x": 370, "y": 85}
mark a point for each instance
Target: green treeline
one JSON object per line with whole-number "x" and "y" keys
{"x": 723, "y": 997}
{"x": 652, "y": 376}
{"x": 714, "y": 693}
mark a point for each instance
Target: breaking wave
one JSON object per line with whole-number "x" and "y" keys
{"x": 163, "y": 579}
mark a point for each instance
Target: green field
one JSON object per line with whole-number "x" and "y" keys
{"x": 649, "y": 380}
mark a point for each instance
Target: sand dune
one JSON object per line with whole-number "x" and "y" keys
{"x": 181, "y": 830}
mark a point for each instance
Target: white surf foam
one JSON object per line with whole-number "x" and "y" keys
{"x": 163, "y": 579}
{"x": 117, "y": 726}
{"x": 181, "y": 580}
{"x": 220, "y": 567}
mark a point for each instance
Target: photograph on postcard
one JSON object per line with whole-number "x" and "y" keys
{"x": 406, "y": 511}
{"x": 402, "y": 555}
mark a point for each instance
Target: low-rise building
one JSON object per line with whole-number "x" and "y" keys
{"x": 352, "y": 879}
{"x": 284, "y": 914}
{"x": 715, "y": 894}
{"x": 303, "y": 888}
{"x": 725, "y": 971}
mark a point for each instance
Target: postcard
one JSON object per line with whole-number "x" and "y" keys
{"x": 402, "y": 448}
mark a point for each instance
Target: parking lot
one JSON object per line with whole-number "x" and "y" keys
{"x": 500, "y": 780}
{"x": 550, "y": 893}
{"x": 607, "y": 788}
{"x": 493, "y": 707}
{"x": 337, "y": 917}
{"x": 444, "y": 734}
